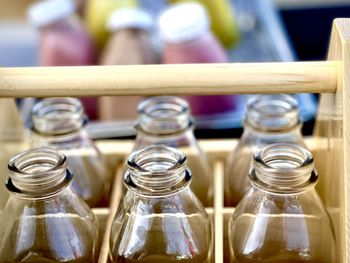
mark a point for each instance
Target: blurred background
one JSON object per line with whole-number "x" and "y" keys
{"x": 119, "y": 32}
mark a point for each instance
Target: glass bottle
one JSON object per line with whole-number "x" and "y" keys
{"x": 64, "y": 40}
{"x": 167, "y": 120}
{"x": 160, "y": 220}
{"x": 130, "y": 43}
{"x": 281, "y": 218}
{"x": 60, "y": 123}
{"x": 268, "y": 119}
{"x": 44, "y": 220}
{"x": 97, "y": 13}
{"x": 185, "y": 30}
{"x": 223, "y": 19}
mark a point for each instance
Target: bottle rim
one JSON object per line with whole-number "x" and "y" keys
{"x": 272, "y": 113}
{"x": 283, "y": 168}
{"x": 58, "y": 116}
{"x": 157, "y": 170}
{"x": 38, "y": 173}
{"x": 164, "y": 116}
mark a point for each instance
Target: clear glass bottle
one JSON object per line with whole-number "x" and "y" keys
{"x": 269, "y": 119}
{"x": 160, "y": 220}
{"x": 44, "y": 220}
{"x": 281, "y": 218}
{"x": 167, "y": 120}
{"x": 60, "y": 123}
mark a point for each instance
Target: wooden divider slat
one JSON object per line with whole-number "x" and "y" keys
{"x": 116, "y": 195}
{"x": 218, "y": 174}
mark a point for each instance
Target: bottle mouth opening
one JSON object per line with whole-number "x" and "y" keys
{"x": 273, "y": 112}
{"x": 157, "y": 169}
{"x": 37, "y": 172}
{"x": 284, "y": 156}
{"x": 283, "y": 167}
{"x": 163, "y": 115}
{"x": 58, "y": 116}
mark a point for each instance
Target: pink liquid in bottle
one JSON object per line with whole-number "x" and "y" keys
{"x": 185, "y": 30}
{"x": 64, "y": 40}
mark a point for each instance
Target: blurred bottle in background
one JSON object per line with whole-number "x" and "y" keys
{"x": 64, "y": 41}
{"x": 184, "y": 27}
{"x": 80, "y": 7}
{"x": 96, "y": 14}
{"x": 129, "y": 43}
{"x": 223, "y": 21}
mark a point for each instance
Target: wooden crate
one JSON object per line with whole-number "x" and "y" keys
{"x": 217, "y": 152}
{"x": 330, "y": 143}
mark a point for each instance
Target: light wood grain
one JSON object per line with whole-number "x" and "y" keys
{"x": 248, "y": 78}
{"x": 332, "y": 128}
{"x": 218, "y": 174}
{"x": 116, "y": 196}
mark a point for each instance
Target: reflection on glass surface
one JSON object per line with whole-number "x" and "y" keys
{"x": 44, "y": 220}
{"x": 160, "y": 219}
{"x": 60, "y": 123}
{"x": 281, "y": 218}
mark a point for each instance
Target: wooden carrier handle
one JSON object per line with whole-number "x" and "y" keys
{"x": 187, "y": 79}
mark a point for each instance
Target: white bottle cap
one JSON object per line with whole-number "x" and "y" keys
{"x": 47, "y": 12}
{"x": 183, "y": 22}
{"x": 129, "y": 18}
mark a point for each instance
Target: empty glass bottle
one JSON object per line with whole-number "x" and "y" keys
{"x": 60, "y": 123}
{"x": 44, "y": 220}
{"x": 281, "y": 218}
{"x": 269, "y": 119}
{"x": 160, "y": 220}
{"x": 167, "y": 120}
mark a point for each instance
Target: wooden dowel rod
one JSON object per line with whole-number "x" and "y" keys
{"x": 194, "y": 79}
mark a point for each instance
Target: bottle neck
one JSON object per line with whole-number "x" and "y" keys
{"x": 58, "y": 117}
{"x": 283, "y": 169}
{"x": 272, "y": 114}
{"x": 38, "y": 173}
{"x": 163, "y": 116}
{"x": 274, "y": 135}
{"x": 157, "y": 171}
